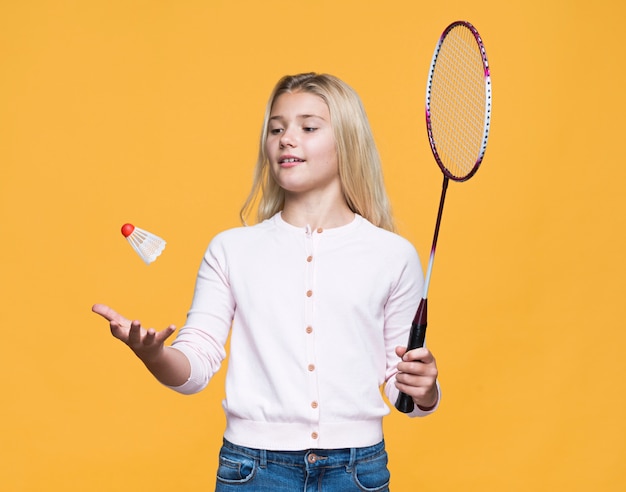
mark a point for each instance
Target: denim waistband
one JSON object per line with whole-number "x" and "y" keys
{"x": 322, "y": 458}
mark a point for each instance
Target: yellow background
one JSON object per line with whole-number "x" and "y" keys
{"x": 149, "y": 112}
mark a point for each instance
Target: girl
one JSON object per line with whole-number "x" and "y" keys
{"x": 320, "y": 295}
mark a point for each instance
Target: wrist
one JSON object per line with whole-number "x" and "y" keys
{"x": 426, "y": 409}
{"x": 153, "y": 357}
{"x": 428, "y": 405}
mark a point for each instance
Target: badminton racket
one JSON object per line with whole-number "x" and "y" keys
{"x": 458, "y": 115}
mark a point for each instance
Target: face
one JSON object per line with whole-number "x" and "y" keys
{"x": 300, "y": 145}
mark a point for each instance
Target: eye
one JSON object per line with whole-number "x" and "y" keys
{"x": 276, "y": 131}
{"x": 309, "y": 129}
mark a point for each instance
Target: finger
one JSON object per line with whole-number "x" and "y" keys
{"x": 416, "y": 372}
{"x": 411, "y": 381}
{"x": 416, "y": 382}
{"x": 109, "y": 314}
{"x": 165, "y": 334}
{"x": 150, "y": 336}
{"x": 421, "y": 354}
{"x": 408, "y": 387}
{"x": 134, "y": 334}
{"x": 425, "y": 395}
{"x": 118, "y": 331}
{"x": 400, "y": 351}
{"x": 158, "y": 337}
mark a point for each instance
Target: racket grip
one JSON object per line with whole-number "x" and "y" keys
{"x": 417, "y": 336}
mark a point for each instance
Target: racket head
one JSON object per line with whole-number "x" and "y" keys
{"x": 458, "y": 101}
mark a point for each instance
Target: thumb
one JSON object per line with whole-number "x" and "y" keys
{"x": 400, "y": 351}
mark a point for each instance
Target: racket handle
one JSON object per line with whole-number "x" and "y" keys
{"x": 404, "y": 403}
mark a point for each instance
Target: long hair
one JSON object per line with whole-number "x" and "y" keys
{"x": 358, "y": 161}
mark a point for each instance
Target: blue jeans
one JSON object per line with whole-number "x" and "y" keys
{"x": 314, "y": 470}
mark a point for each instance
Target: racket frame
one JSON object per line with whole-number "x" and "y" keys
{"x": 487, "y": 120}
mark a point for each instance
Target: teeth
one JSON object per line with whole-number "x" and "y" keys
{"x": 292, "y": 160}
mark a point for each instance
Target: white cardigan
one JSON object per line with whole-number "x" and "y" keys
{"x": 316, "y": 317}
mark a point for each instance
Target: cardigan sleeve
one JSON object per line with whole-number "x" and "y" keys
{"x": 203, "y": 337}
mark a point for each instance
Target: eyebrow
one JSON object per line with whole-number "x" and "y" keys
{"x": 300, "y": 117}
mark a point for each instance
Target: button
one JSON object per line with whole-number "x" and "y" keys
{"x": 309, "y": 293}
{"x": 314, "y": 435}
{"x": 311, "y": 367}
{"x": 309, "y": 258}
{"x": 309, "y": 329}
{"x": 312, "y": 458}
{"x": 314, "y": 404}
{"x": 320, "y": 230}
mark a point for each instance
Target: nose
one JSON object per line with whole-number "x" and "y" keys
{"x": 287, "y": 139}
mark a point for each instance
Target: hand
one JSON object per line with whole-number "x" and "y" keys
{"x": 147, "y": 344}
{"x": 417, "y": 376}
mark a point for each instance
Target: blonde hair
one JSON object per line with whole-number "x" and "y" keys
{"x": 357, "y": 156}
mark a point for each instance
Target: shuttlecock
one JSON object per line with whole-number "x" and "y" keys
{"x": 147, "y": 245}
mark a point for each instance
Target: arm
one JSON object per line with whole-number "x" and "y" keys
{"x": 170, "y": 366}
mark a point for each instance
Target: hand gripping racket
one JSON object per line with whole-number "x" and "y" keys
{"x": 458, "y": 114}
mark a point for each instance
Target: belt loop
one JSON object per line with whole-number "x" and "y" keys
{"x": 263, "y": 457}
{"x": 352, "y": 459}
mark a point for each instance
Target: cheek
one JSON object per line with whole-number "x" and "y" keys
{"x": 331, "y": 156}
{"x": 271, "y": 170}
{"x": 267, "y": 147}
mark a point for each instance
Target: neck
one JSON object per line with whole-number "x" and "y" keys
{"x": 301, "y": 212}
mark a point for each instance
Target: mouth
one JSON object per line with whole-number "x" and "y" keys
{"x": 289, "y": 161}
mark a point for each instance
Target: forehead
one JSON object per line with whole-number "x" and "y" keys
{"x": 299, "y": 104}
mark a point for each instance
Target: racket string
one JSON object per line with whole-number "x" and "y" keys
{"x": 457, "y": 102}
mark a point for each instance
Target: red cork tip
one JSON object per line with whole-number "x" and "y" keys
{"x": 127, "y": 229}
